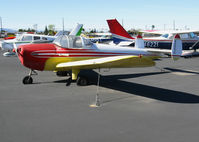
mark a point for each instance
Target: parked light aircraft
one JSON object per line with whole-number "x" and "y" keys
{"x": 8, "y": 45}
{"x": 24, "y": 39}
{"x": 75, "y": 53}
{"x": 100, "y": 37}
{"x": 121, "y": 37}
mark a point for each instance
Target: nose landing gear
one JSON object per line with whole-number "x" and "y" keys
{"x": 28, "y": 79}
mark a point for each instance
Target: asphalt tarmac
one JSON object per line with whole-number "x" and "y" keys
{"x": 155, "y": 104}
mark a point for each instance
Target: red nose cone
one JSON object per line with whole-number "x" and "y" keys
{"x": 139, "y": 36}
{"x": 177, "y": 36}
{"x": 31, "y": 57}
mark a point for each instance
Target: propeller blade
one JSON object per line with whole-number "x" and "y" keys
{"x": 15, "y": 49}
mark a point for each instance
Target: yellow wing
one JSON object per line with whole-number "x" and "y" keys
{"x": 107, "y": 62}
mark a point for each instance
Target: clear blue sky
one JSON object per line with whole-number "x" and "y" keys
{"x": 93, "y": 13}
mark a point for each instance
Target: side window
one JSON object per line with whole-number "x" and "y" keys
{"x": 44, "y": 38}
{"x": 87, "y": 43}
{"x": 184, "y": 36}
{"x": 27, "y": 38}
{"x": 77, "y": 43}
{"x": 36, "y": 38}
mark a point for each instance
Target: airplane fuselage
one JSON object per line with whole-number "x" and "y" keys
{"x": 47, "y": 56}
{"x": 165, "y": 44}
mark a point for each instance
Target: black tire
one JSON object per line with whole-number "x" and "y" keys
{"x": 82, "y": 81}
{"x": 27, "y": 80}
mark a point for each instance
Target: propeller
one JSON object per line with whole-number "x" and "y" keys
{"x": 15, "y": 49}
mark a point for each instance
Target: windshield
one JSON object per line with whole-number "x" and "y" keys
{"x": 18, "y": 37}
{"x": 61, "y": 41}
{"x": 192, "y": 35}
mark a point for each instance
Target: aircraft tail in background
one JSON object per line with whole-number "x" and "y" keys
{"x": 118, "y": 32}
{"x": 77, "y": 30}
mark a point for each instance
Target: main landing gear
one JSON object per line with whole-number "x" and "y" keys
{"x": 81, "y": 81}
{"x": 75, "y": 76}
{"x": 28, "y": 79}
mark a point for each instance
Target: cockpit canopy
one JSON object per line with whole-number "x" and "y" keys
{"x": 72, "y": 42}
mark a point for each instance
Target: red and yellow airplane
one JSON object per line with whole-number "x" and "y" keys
{"x": 75, "y": 53}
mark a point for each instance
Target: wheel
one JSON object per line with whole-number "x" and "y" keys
{"x": 82, "y": 81}
{"x": 27, "y": 80}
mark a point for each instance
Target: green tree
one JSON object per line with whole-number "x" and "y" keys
{"x": 20, "y": 30}
{"x": 51, "y": 29}
{"x": 153, "y": 27}
{"x": 46, "y": 31}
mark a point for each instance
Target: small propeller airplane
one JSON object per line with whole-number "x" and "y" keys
{"x": 75, "y": 53}
{"x": 8, "y": 45}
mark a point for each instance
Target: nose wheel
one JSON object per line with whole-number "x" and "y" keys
{"x": 28, "y": 79}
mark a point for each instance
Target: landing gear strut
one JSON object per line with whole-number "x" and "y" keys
{"x": 75, "y": 76}
{"x": 28, "y": 79}
{"x": 81, "y": 81}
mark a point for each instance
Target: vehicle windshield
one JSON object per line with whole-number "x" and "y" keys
{"x": 72, "y": 42}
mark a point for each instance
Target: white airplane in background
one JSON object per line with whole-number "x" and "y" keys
{"x": 163, "y": 41}
{"x": 8, "y": 45}
{"x": 187, "y": 36}
{"x": 158, "y": 44}
{"x": 99, "y": 37}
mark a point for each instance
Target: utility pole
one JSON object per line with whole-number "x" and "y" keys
{"x": 35, "y": 27}
{"x": 1, "y": 26}
{"x": 164, "y": 27}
